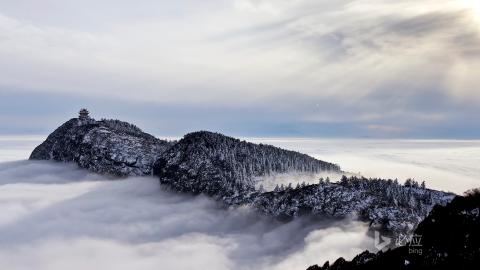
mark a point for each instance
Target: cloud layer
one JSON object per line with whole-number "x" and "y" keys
{"x": 362, "y": 67}
{"x": 449, "y": 165}
{"x": 56, "y": 216}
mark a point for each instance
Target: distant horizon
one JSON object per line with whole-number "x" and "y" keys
{"x": 33, "y": 136}
{"x": 435, "y": 161}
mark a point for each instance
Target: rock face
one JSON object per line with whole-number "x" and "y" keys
{"x": 105, "y": 146}
{"x": 218, "y": 165}
{"x": 449, "y": 238}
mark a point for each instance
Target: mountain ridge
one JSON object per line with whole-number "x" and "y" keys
{"x": 210, "y": 162}
{"x": 228, "y": 170}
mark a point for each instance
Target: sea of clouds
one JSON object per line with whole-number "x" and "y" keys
{"x": 450, "y": 165}
{"x": 57, "y": 216}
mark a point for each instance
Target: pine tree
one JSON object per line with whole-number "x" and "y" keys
{"x": 408, "y": 182}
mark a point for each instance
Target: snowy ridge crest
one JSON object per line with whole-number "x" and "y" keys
{"x": 218, "y": 165}
{"x": 387, "y": 205}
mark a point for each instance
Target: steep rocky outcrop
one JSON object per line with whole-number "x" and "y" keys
{"x": 106, "y": 146}
{"x": 449, "y": 238}
{"x": 218, "y": 165}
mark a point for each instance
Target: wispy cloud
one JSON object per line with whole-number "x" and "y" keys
{"x": 367, "y": 57}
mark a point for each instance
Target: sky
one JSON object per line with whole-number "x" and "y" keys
{"x": 298, "y": 68}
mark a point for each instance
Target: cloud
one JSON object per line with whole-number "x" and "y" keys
{"x": 17, "y": 147}
{"x": 56, "y": 216}
{"x": 357, "y": 58}
{"x": 448, "y": 165}
{"x": 389, "y": 130}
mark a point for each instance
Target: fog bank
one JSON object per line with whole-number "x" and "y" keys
{"x": 56, "y": 216}
{"x": 450, "y": 165}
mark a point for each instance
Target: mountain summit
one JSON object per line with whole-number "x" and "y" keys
{"x": 106, "y": 146}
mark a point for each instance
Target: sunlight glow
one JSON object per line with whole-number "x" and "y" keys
{"x": 473, "y": 6}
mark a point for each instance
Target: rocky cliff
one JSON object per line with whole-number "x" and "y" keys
{"x": 106, "y": 146}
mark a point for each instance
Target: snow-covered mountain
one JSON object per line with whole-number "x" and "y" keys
{"x": 227, "y": 169}
{"x": 106, "y": 146}
{"x": 222, "y": 166}
{"x": 387, "y": 205}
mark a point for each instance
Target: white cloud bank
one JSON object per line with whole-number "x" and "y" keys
{"x": 56, "y": 216}
{"x": 450, "y": 165}
{"x": 18, "y": 147}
